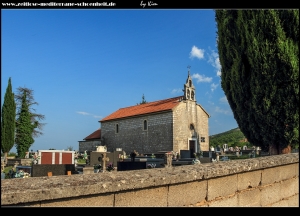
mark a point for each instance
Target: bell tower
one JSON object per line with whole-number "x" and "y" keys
{"x": 189, "y": 88}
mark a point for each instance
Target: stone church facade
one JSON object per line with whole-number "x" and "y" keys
{"x": 172, "y": 124}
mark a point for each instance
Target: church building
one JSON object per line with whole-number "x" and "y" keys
{"x": 171, "y": 124}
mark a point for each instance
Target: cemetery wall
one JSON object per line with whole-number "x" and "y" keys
{"x": 88, "y": 145}
{"x": 255, "y": 182}
{"x": 132, "y": 136}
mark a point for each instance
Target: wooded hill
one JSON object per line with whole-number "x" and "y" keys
{"x": 233, "y": 137}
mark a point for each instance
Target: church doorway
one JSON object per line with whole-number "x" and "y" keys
{"x": 192, "y": 148}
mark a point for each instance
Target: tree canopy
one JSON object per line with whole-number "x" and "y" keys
{"x": 259, "y": 57}
{"x": 8, "y": 119}
{"x": 143, "y": 100}
{"x": 28, "y": 125}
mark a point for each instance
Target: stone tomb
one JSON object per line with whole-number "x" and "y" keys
{"x": 96, "y": 158}
{"x": 39, "y": 170}
{"x": 140, "y": 162}
{"x": 185, "y": 154}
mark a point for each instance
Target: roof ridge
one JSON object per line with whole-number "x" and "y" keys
{"x": 152, "y": 102}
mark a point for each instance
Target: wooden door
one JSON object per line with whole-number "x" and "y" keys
{"x": 192, "y": 147}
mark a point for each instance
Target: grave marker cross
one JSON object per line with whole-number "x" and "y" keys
{"x": 104, "y": 159}
{"x": 16, "y": 164}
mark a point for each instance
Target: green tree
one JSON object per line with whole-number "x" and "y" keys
{"x": 35, "y": 117}
{"x": 8, "y": 118}
{"x": 24, "y": 129}
{"x": 259, "y": 56}
{"x": 143, "y": 100}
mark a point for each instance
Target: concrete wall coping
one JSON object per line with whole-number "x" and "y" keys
{"x": 14, "y": 191}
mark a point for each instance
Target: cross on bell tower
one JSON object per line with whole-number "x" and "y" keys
{"x": 189, "y": 88}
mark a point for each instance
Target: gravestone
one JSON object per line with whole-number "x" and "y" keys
{"x": 96, "y": 157}
{"x": 206, "y": 154}
{"x": 185, "y": 154}
{"x": 131, "y": 165}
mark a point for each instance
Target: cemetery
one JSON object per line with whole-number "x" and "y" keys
{"x": 60, "y": 162}
{"x": 249, "y": 182}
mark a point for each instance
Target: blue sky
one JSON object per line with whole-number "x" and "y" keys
{"x": 85, "y": 64}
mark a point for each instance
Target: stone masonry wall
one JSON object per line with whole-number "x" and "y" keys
{"x": 132, "y": 136}
{"x": 185, "y": 114}
{"x": 271, "y": 181}
{"x": 88, "y": 145}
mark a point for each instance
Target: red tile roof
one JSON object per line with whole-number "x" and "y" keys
{"x": 150, "y": 107}
{"x": 95, "y": 135}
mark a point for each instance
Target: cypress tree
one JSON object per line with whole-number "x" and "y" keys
{"x": 24, "y": 129}
{"x": 8, "y": 117}
{"x": 259, "y": 55}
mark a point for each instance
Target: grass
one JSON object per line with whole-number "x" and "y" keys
{"x": 81, "y": 161}
{"x": 6, "y": 170}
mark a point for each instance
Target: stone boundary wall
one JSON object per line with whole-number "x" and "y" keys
{"x": 257, "y": 182}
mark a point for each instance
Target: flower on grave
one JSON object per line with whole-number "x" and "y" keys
{"x": 198, "y": 154}
{"x": 110, "y": 167}
{"x": 21, "y": 174}
{"x": 121, "y": 156}
{"x": 174, "y": 155}
{"x": 35, "y": 157}
{"x": 150, "y": 166}
{"x": 97, "y": 166}
{"x": 196, "y": 161}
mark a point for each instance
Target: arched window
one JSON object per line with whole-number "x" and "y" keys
{"x": 117, "y": 128}
{"x": 192, "y": 127}
{"x": 188, "y": 94}
{"x": 190, "y": 83}
{"x": 145, "y": 125}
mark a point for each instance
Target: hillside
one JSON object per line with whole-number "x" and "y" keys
{"x": 233, "y": 137}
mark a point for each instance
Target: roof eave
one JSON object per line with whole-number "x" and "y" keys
{"x": 140, "y": 115}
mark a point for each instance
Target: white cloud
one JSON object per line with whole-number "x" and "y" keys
{"x": 197, "y": 53}
{"x": 201, "y": 78}
{"x": 175, "y": 91}
{"x": 219, "y": 110}
{"x": 214, "y": 60}
{"x": 213, "y": 86}
{"x": 83, "y": 113}
{"x": 223, "y": 99}
{"x": 98, "y": 117}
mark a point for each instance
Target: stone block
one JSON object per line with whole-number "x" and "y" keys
{"x": 270, "y": 176}
{"x": 105, "y": 200}
{"x": 270, "y": 194}
{"x": 289, "y": 187}
{"x": 187, "y": 194}
{"x": 152, "y": 197}
{"x": 231, "y": 201}
{"x": 249, "y": 198}
{"x": 249, "y": 180}
{"x": 221, "y": 187}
